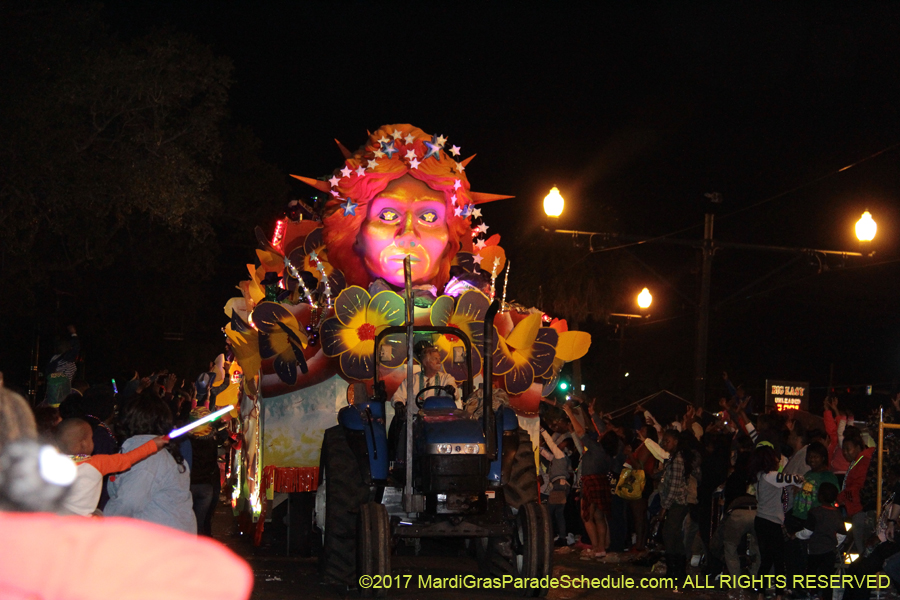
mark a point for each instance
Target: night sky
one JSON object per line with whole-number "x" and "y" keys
{"x": 635, "y": 113}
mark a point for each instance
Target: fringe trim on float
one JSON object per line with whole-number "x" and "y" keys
{"x": 290, "y": 479}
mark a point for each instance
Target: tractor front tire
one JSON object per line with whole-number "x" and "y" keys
{"x": 520, "y": 486}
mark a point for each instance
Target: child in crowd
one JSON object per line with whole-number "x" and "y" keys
{"x": 824, "y": 529}
{"x": 558, "y": 474}
{"x": 75, "y": 438}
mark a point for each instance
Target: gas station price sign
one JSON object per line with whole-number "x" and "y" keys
{"x": 787, "y": 395}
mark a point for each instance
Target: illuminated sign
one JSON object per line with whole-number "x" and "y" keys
{"x": 787, "y": 395}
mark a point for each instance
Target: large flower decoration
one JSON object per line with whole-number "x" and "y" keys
{"x": 245, "y": 344}
{"x": 469, "y": 319}
{"x": 527, "y": 353}
{"x": 358, "y": 318}
{"x": 281, "y": 337}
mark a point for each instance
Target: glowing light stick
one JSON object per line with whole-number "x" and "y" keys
{"x": 182, "y": 430}
{"x": 503, "y": 304}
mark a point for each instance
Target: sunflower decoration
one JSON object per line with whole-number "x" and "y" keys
{"x": 358, "y": 318}
{"x": 281, "y": 337}
{"x": 245, "y": 344}
{"x": 527, "y": 353}
{"x": 467, "y": 315}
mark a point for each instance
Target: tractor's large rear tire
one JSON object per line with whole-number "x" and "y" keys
{"x": 528, "y": 553}
{"x": 520, "y": 486}
{"x": 373, "y": 548}
{"x": 345, "y": 492}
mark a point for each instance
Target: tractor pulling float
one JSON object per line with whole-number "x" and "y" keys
{"x": 393, "y": 256}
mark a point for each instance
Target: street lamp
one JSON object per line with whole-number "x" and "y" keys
{"x": 554, "y": 203}
{"x": 644, "y": 299}
{"x": 865, "y": 227}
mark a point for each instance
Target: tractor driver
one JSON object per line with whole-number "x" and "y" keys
{"x": 429, "y": 374}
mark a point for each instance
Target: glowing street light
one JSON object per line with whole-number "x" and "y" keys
{"x": 644, "y": 299}
{"x": 554, "y": 203}
{"x": 865, "y": 227}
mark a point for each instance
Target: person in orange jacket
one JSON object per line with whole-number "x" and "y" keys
{"x": 858, "y": 457}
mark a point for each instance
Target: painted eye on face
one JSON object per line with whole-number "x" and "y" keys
{"x": 429, "y": 216}
{"x": 389, "y": 215}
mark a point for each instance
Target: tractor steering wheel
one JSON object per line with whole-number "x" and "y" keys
{"x": 420, "y": 401}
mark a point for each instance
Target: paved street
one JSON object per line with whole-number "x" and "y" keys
{"x": 282, "y": 577}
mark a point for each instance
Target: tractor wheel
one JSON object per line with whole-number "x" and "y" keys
{"x": 345, "y": 492}
{"x": 527, "y": 553}
{"x": 373, "y": 548}
{"x": 520, "y": 486}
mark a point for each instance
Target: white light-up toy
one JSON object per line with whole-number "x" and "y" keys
{"x": 211, "y": 416}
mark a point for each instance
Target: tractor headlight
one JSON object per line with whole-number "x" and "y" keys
{"x": 471, "y": 449}
{"x": 445, "y": 448}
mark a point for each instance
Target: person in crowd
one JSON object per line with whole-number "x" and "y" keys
{"x": 739, "y": 519}
{"x": 765, "y": 469}
{"x": 835, "y": 426}
{"x": 62, "y": 368}
{"x": 46, "y": 419}
{"x": 858, "y": 458}
{"x": 157, "y": 489}
{"x": 559, "y": 486}
{"x": 75, "y": 438}
{"x": 823, "y": 530}
{"x": 642, "y": 458}
{"x": 596, "y": 496}
{"x": 16, "y": 418}
{"x": 675, "y": 497}
{"x": 807, "y": 497}
{"x": 205, "y": 481}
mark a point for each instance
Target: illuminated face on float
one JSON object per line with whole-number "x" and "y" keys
{"x": 403, "y": 193}
{"x": 407, "y": 218}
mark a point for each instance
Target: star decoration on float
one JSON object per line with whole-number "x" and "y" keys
{"x": 480, "y": 244}
{"x": 410, "y": 154}
{"x": 433, "y": 150}
{"x": 457, "y": 211}
{"x": 389, "y": 149}
{"x": 455, "y": 150}
{"x": 360, "y": 171}
{"x": 453, "y": 199}
{"x": 371, "y": 164}
{"x": 414, "y": 164}
{"x": 477, "y": 259}
{"x": 346, "y": 171}
{"x": 460, "y": 168}
{"x": 334, "y": 181}
{"x": 383, "y": 140}
{"x": 456, "y": 184}
{"x": 440, "y": 140}
{"x": 378, "y": 154}
{"x": 476, "y": 213}
{"x": 482, "y": 228}
{"x": 349, "y": 208}
{"x": 397, "y": 134}
{"x": 409, "y": 139}
{"x": 335, "y": 193}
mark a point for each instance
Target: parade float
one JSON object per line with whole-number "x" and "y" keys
{"x": 325, "y": 284}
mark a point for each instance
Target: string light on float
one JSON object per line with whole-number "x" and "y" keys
{"x": 554, "y": 203}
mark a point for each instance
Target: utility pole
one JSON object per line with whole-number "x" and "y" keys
{"x": 707, "y": 251}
